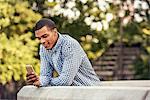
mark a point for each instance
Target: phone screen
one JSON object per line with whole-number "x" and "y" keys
{"x": 29, "y": 69}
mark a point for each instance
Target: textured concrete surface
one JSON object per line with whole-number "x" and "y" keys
{"x": 129, "y": 83}
{"x": 104, "y": 92}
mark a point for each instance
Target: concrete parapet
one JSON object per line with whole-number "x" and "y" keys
{"x": 129, "y": 83}
{"x": 84, "y": 93}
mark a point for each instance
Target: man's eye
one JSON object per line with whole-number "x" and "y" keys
{"x": 45, "y": 36}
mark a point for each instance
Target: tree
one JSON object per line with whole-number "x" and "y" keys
{"x": 17, "y": 44}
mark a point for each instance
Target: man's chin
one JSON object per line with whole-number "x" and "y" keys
{"x": 48, "y": 48}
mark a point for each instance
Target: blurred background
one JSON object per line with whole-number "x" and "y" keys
{"x": 115, "y": 34}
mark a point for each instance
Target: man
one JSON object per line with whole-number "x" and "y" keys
{"x": 63, "y": 54}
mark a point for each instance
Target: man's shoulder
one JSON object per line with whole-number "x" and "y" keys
{"x": 69, "y": 43}
{"x": 68, "y": 39}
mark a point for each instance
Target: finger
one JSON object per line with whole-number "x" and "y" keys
{"x": 31, "y": 76}
{"x": 28, "y": 74}
{"x": 32, "y": 79}
{"x": 36, "y": 83}
{"x": 29, "y": 83}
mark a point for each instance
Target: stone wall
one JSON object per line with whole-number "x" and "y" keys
{"x": 108, "y": 91}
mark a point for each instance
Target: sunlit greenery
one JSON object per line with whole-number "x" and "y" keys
{"x": 16, "y": 52}
{"x": 17, "y": 47}
{"x": 97, "y": 24}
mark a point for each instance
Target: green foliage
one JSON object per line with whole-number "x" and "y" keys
{"x": 16, "y": 45}
{"x": 17, "y": 17}
{"x": 16, "y": 52}
{"x": 73, "y": 19}
{"x": 142, "y": 66}
{"x": 98, "y": 24}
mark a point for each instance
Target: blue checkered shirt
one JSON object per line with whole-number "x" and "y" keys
{"x": 71, "y": 63}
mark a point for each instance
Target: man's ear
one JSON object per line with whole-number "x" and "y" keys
{"x": 55, "y": 30}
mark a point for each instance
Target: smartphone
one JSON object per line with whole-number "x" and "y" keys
{"x": 29, "y": 69}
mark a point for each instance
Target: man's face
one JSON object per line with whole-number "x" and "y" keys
{"x": 47, "y": 36}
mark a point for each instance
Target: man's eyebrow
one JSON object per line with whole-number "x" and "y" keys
{"x": 40, "y": 36}
{"x": 43, "y": 35}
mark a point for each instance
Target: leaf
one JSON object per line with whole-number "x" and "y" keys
{"x": 146, "y": 31}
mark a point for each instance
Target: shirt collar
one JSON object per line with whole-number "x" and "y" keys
{"x": 58, "y": 43}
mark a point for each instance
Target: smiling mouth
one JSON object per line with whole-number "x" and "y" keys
{"x": 45, "y": 46}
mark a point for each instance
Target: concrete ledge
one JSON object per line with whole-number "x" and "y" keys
{"x": 129, "y": 83}
{"x": 104, "y": 92}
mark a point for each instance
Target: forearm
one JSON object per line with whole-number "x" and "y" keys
{"x": 61, "y": 81}
{"x": 44, "y": 80}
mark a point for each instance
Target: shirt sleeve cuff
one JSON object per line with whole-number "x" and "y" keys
{"x": 44, "y": 81}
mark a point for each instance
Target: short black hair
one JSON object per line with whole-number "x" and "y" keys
{"x": 44, "y": 22}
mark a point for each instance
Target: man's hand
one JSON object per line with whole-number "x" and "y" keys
{"x": 32, "y": 78}
{"x": 37, "y": 83}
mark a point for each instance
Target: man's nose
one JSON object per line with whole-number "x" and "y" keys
{"x": 42, "y": 41}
